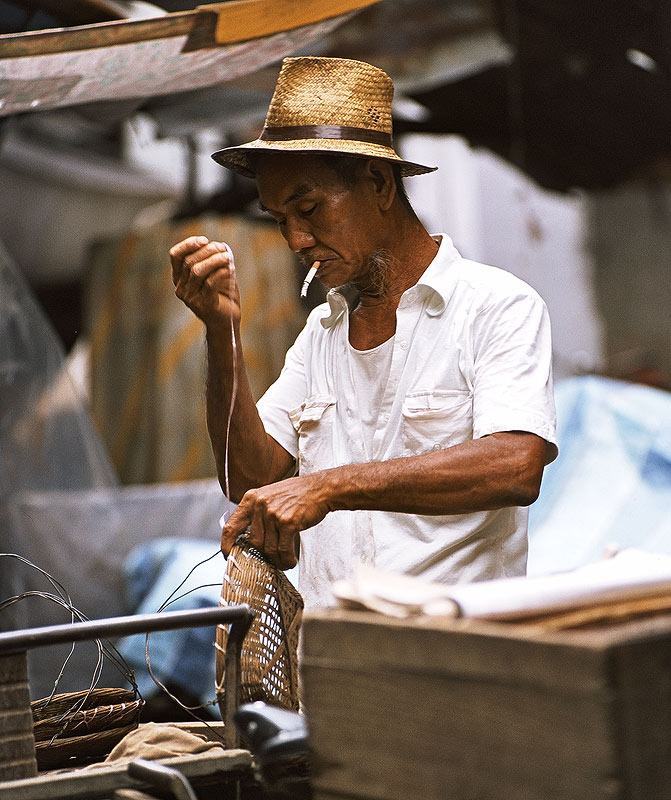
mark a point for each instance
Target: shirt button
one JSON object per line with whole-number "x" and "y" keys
{"x": 436, "y": 446}
{"x": 404, "y": 345}
{"x": 386, "y": 417}
{"x": 349, "y": 412}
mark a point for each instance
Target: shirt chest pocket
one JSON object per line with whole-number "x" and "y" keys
{"x": 435, "y": 420}
{"x": 314, "y": 423}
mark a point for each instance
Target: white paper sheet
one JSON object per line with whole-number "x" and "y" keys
{"x": 629, "y": 574}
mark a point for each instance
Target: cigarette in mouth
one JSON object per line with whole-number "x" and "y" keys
{"x": 308, "y": 278}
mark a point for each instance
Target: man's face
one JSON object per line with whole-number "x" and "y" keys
{"x": 321, "y": 218}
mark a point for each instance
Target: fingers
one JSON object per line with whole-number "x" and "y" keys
{"x": 236, "y": 524}
{"x": 196, "y": 258}
{"x": 203, "y": 276}
{"x": 183, "y": 249}
{"x": 276, "y": 541}
{"x": 287, "y": 551}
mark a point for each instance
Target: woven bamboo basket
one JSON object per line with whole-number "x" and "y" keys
{"x": 269, "y": 657}
{"x": 75, "y": 727}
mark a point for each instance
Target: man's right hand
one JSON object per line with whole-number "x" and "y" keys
{"x": 204, "y": 279}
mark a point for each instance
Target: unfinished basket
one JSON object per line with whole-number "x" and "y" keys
{"x": 81, "y": 726}
{"x": 269, "y": 657}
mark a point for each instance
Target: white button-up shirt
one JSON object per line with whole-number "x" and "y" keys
{"x": 471, "y": 356}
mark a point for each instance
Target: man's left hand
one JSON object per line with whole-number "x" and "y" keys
{"x": 274, "y": 515}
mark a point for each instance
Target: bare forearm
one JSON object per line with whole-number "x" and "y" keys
{"x": 493, "y": 472}
{"x": 203, "y": 273}
{"x": 245, "y": 456}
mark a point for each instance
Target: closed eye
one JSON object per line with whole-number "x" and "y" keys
{"x": 265, "y": 210}
{"x": 281, "y": 221}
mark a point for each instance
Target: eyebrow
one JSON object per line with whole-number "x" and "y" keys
{"x": 300, "y": 191}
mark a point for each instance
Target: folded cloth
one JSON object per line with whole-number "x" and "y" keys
{"x": 154, "y": 740}
{"x": 628, "y": 575}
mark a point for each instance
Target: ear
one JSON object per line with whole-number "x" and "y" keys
{"x": 382, "y": 176}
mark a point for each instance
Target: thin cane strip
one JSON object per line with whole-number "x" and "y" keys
{"x": 172, "y": 598}
{"x": 188, "y": 709}
{"x": 234, "y": 387}
{"x": 105, "y": 650}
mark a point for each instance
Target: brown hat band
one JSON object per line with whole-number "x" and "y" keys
{"x": 291, "y": 132}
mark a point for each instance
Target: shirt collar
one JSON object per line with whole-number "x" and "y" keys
{"x": 338, "y": 306}
{"x": 436, "y": 278}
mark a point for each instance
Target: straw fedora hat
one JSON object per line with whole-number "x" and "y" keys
{"x": 327, "y": 105}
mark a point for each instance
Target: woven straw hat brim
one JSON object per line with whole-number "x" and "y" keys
{"x": 325, "y": 105}
{"x": 240, "y": 158}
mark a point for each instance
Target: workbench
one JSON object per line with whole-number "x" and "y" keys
{"x": 216, "y": 773}
{"x": 219, "y": 772}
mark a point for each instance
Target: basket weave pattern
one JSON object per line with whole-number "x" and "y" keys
{"x": 321, "y": 92}
{"x": 79, "y": 726}
{"x": 269, "y": 657}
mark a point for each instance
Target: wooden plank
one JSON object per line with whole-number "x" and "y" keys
{"x": 241, "y": 20}
{"x": 17, "y": 743}
{"x": 393, "y": 735}
{"x": 227, "y": 23}
{"x": 642, "y": 672}
{"x": 101, "y": 34}
{"x": 88, "y": 784}
{"x": 487, "y": 651}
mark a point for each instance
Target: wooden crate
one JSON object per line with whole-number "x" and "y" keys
{"x": 17, "y": 742}
{"x": 457, "y": 710}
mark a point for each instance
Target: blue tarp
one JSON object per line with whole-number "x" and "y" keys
{"x": 611, "y": 484}
{"x": 190, "y": 574}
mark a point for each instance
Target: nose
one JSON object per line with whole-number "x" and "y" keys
{"x": 298, "y": 236}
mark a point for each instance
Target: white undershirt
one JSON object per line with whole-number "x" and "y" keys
{"x": 370, "y": 370}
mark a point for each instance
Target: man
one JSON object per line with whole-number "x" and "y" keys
{"x": 408, "y": 429}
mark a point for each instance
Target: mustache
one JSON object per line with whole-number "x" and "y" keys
{"x": 378, "y": 266}
{"x": 307, "y": 261}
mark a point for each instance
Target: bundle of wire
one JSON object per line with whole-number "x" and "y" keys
{"x": 61, "y": 597}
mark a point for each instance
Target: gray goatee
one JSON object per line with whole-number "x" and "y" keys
{"x": 379, "y": 265}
